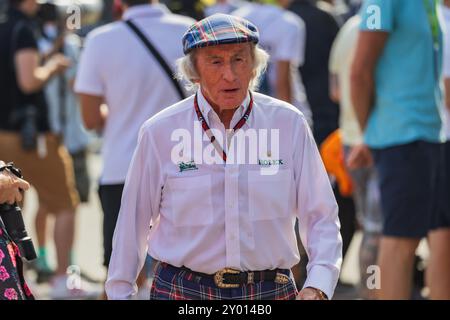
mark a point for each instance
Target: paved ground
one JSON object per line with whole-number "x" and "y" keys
{"x": 88, "y": 242}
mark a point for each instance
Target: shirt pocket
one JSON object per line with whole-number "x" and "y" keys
{"x": 269, "y": 195}
{"x": 191, "y": 201}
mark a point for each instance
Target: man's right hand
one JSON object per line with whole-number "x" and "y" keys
{"x": 11, "y": 186}
{"x": 359, "y": 157}
{"x": 58, "y": 63}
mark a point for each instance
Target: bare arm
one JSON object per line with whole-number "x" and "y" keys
{"x": 447, "y": 93}
{"x": 30, "y": 76}
{"x": 94, "y": 116}
{"x": 335, "y": 94}
{"x": 283, "y": 84}
{"x": 368, "y": 50}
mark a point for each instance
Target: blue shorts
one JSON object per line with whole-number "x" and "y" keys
{"x": 410, "y": 187}
{"x": 442, "y": 218}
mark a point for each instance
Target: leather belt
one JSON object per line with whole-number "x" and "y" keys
{"x": 231, "y": 278}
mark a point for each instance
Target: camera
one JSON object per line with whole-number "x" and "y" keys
{"x": 11, "y": 216}
{"x": 12, "y": 219}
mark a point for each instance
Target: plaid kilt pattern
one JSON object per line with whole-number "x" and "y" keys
{"x": 171, "y": 284}
{"x": 219, "y": 29}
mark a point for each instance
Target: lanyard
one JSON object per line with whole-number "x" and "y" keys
{"x": 433, "y": 20}
{"x": 207, "y": 130}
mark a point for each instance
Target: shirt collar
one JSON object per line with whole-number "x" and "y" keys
{"x": 146, "y": 10}
{"x": 208, "y": 112}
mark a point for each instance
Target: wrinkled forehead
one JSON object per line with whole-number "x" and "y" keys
{"x": 225, "y": 50}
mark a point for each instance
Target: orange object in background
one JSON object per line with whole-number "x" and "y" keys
{"x": 332, "y": 153}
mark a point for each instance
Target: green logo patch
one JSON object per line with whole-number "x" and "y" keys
{"x": 186, "y": 166}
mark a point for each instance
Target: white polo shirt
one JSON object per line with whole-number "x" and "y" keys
{"x": 283, "y": 35}
{"x": 117, "y": 66}
{"x": 210, "y": 216}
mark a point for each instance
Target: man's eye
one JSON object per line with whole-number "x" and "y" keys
{"x": 215, "y": 62}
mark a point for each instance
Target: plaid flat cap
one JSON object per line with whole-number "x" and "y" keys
{"x": 219, "y": 29}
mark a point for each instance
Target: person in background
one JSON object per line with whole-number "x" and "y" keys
{"x": 223, "y": 6}
{"x": 25, "y": 133}
{"x": 189, "y": 8}
{"x": 398, "y": 101}
{"x": 357, "y": 155}
{"x": 64, "y": 117}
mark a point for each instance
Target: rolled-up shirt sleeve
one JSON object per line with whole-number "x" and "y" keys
{"x": 317, "y": 212}
{"x": 140, "y": 203}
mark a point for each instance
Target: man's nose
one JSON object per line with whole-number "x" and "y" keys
{"x": 229, "y": 73}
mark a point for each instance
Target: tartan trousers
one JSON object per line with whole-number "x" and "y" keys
{"x": 172, "y": 283}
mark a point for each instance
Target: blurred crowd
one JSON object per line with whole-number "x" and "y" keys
{"x": 375, "y": 93}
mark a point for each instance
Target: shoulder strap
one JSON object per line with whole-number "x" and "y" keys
{"x": 157, "y": 56}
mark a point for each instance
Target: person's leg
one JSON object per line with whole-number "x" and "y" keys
{"x": 404, "y": 174}
{"x": 347, "y": 217}
{"x": 110, "y": 199}
{"x": 396, "y": 260}
{"x": 43, "y": 270}
{"x": 64, "y": 236}
{"x": 368, "y": 255}
{"x": 40, "y": 223}
{"x": 57, "y": 192}
{"x": 438, "y": 270}
{"x": 366, "y": 197}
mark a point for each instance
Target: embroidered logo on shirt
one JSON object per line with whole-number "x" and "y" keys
{"x": 268, "y": 163}
{"x": 186, "y": 166}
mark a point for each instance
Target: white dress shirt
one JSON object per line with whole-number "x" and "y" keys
{"x": 117, "y": 66}
{"x": 226, "y": 215}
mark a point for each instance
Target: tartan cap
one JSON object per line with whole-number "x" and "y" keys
{"x": 219, "y": 29}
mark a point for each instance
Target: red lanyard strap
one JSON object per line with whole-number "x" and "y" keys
{"x": 207, "y": 129}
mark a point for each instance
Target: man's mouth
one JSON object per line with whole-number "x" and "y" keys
{"x": 231, "y": 90}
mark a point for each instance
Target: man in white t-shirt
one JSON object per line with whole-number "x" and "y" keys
{"x": 283, "y": 37}
{"x": 118, "y": 70}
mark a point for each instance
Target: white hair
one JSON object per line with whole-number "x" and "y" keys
{"x": 186, "y": 70}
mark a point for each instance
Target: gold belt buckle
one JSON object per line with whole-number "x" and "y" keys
{"x": 218, "y": 278}
{"x": 281, "y": 278}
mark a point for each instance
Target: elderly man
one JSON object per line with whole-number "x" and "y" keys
{"x": 223, "y": 219}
